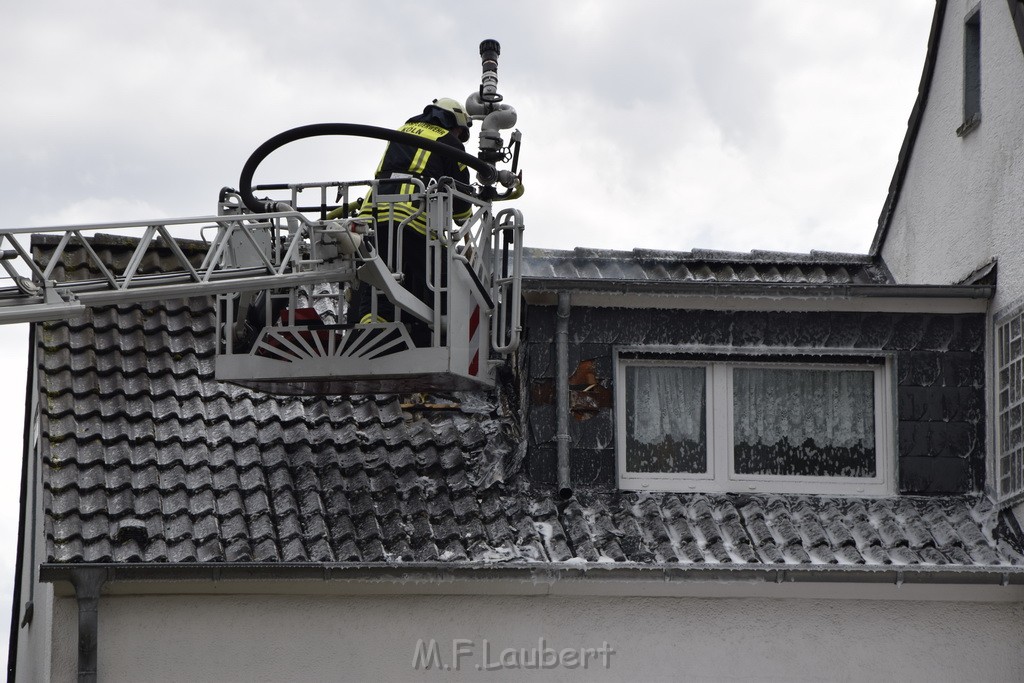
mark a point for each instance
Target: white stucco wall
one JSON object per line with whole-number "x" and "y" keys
{"x": 962, "y": 201}
{"x": 363, "y": 638}
{"x": 34, "y": 638}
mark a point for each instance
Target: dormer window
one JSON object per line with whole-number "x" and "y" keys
{"x": 734, "y": 424}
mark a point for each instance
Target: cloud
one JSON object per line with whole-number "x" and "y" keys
{"x": 97, "y": 211}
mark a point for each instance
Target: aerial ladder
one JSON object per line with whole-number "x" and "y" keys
{"x": 283, "y": 270}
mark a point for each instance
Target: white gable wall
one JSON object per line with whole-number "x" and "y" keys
{"x": 962, "y": 201}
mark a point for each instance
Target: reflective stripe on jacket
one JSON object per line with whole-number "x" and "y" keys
{"x": 404, "y": 160}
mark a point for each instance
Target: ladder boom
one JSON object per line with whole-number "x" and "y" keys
{"x": 42, "y": 291}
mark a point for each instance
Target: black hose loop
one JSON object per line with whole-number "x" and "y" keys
{"x": 486, "y": 172}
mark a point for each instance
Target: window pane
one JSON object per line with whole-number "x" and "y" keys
{"x": 802, "y": 422}
{"x": 665, "y": 409}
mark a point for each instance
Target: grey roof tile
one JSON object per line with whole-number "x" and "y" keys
{"x": 100, "y": 550}
{"x": 822, "y": 554}
{"x": 183, "y": 549}
{"x": 232, "y": 524}
{"x": 70, "y": 550}
{"x": 148, "y": 502}
{"x": 127, "y": 551}
{"x": 202, "y": 506}
{"x": 209, "y": 550}
{"x": 265, "y": 550}
{"x": 120, "y": 504}
{"x": 346, "y": 550}
{"x": 847, "y": 554}
{"x": 261, "y": 527}
{"x": 95, "y": 528}
{"x": 632, "y": 540}
{"x": 177, "y": 526}
{"x": 903, "y": 555}
{"x": 874, "y": 554}
{"x": 237, "y": 550}
{"x": 796, "y": 554}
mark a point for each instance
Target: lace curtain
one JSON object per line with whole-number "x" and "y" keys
{"x": 665, "y": 419}
{"x": 804, "y": 421}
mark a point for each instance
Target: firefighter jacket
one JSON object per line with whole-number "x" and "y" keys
{"x": 401, "y": 162}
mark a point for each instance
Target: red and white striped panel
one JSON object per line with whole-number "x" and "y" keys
{"x": 474, "y": 342}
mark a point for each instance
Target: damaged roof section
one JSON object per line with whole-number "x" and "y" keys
{"x": 148, "y": 458}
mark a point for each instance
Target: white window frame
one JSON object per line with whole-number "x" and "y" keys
{"x": 1009, "y": 362}
{"x": 721, "y": 476}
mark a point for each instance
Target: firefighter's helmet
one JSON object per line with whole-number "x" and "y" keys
{"x": 456, "y": 108}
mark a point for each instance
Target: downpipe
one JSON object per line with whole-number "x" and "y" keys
{"x": 562, "y": 394}
{"x": 88, "y": 582}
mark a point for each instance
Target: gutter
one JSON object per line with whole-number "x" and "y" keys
{"x": 539, "y": 574}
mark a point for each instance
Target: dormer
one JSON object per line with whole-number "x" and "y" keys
{"x": 763, "y": 372}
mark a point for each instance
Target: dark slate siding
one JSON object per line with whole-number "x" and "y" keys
{"x": 939, "y": 363}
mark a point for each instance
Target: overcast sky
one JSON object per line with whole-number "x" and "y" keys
{"x": 726, "y": 125}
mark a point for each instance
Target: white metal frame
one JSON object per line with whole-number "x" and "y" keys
{"x": 481, "y": 294}
{"x": 721, "y": 475}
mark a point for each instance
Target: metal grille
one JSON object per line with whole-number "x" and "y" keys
{"x": 1010, "y": 404}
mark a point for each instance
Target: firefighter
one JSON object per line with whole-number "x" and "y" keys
{"x": 444, "y": 120}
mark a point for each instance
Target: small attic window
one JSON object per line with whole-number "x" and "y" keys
{"x": 735, "y": 425}
{"x": 972, "y": 72}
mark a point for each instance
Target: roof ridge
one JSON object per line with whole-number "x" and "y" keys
{"x": 814, "y": 256}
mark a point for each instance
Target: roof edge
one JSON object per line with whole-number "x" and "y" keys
{"x": 1017, "y": 14}
{"x": 913, "y": 127}
{"x": 957, "y": 582}
{"x": 542, "y": 572}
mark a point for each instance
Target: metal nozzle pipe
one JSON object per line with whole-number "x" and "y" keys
{"x": 489, "y": 51}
